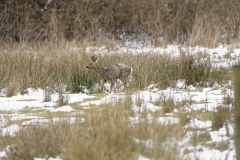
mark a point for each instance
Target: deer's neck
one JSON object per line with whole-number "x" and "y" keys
{"x": 101, "y": 71}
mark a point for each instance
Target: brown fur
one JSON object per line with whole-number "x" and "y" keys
{"x": 111, "y": 74}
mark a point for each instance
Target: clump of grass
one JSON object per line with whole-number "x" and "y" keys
{"x": 199, "y": 137}
{"x": 205, "y": 115}
{"x": 222, "y": 146}
{"x": 221, "y": 116}
{"x": 11, "y": 90}
{"x": 167, "y": 103}
{"x": 27, "y": 110}
{"x": 228, "y": 100}
{"x": 5, "y": 118}
{"x": 37, "y": 141}
{"x": 204, "y": 137}
{"x": 102, "y": 141}
{"x": 187, "y": 151}
{"x": 62, "y": 100}
{"x": 47, "y": 97}
{"x": 184, "y": 117}
{"x": 211, "y": 144}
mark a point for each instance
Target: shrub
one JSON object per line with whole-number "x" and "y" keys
{"x": 176, "y": 21}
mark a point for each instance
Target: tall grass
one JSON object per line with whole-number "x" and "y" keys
{"x": 38, "y": 68}
{"x": 221, "y": 117}
{"x": 54, "y": 67}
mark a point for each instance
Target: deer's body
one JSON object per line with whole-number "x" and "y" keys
{"x": 111, "y": 73}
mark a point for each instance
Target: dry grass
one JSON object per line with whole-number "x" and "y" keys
{"x": 44, "y": 68}
{"x": 106, "y": 133}
{"x": 47, "y": 49}
{"x": 221, "y": 116}
{"x": 109, "y": 131}
{"x": 63, "y": 69}
{"x": 206, "y": 22}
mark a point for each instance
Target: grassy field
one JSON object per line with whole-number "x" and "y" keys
{"x": 51, "y": 67}
{"x": 112, "y": 130}
{"x": 46, "y": 46}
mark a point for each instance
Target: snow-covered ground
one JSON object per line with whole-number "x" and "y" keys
{"x": 204, "y": 99}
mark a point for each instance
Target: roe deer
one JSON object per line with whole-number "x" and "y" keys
{"x": 111, "y": 73}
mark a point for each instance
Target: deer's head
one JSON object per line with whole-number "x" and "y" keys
{"x": 93, "y": 64}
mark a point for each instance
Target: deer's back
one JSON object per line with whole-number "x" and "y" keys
{"x": 113, "y": 72}
{"x": 125, "y": 69}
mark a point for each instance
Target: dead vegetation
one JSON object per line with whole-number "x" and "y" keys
{"x": 105, "y": 133}
{"x": 61, "y": 69}
{"x": 194, "y": 22}
{"x": 44, "y": 46}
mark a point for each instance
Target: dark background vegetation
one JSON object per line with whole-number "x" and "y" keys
{"x": 194, "y": 22}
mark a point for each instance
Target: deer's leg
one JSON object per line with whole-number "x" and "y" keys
{"x": 124, "y": 82}
{"x": 111, "y": 86}
{"x": 107, "y": 89}
{"x": 121, "y": 85}
{"x": 103, "y": 87}
{"x": 102, "y": 84}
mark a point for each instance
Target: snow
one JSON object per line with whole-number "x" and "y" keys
{"x": 63, "y": 109}
{"x": 167, "y": 120}
{"x": 212, "y": 154}
{"x": 57, "y": 158}
{"x": 34, "y": 98}
{"x": 195, "y": 123}
{"x": 140, "y": 157}
{"x": 210, "y": 98}
{"x": 10, "y": 130}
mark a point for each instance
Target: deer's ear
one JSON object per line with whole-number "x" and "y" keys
{"x": 94, "y": 58}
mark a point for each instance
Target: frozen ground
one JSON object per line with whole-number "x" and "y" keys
{"x": 204, "y": 99}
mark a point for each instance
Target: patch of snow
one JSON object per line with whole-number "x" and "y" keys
{"x": 146, "y": 96}
{"x": 37, "y": 121}
{"x": 16, "y": 117}
{"x": 105, "y": 100}
{"x": 2, "y": 154}
{"x": 10, "y": 130}
{"x": 48, "y": 158}
{"x": 62, "y": 109}
{"x": 167, "y": 120}
{"x": 203, "y": 153}
{"x": 195, "y": 123}
{"x": 78, "y": 97}
{"x": 180, "y": 84}
{"x": 34, "y": 98}
{"x": 150, "y": 107}
{"x": 140, "y": 157}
